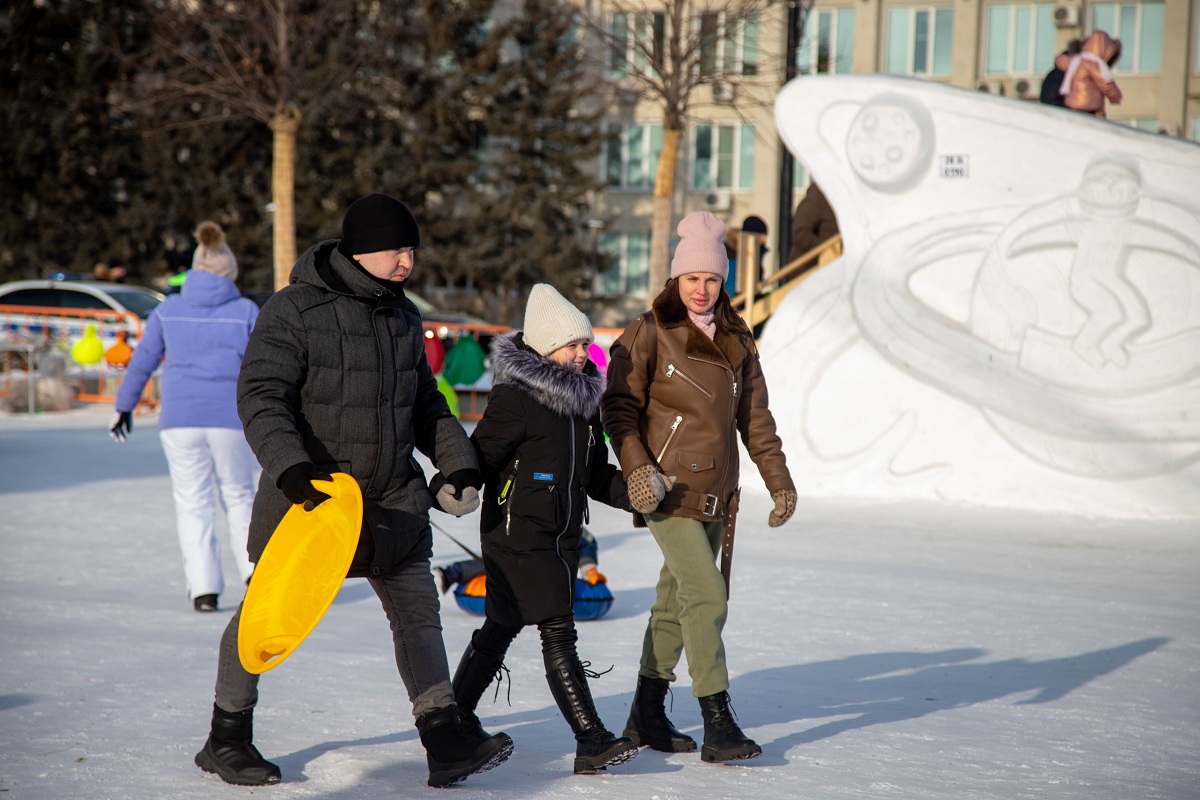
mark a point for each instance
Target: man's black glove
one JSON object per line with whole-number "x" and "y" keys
{"x": 296, "y": 484}
{"x": 457, "y": 494}
{"x": 121, "y": 425}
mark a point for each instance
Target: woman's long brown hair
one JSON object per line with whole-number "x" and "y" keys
{"x": 726, "y": 318}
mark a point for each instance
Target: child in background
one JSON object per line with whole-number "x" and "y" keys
{"x": 542, "y": 454}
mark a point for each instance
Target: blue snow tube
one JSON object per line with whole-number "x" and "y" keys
{"x": 591, "y": 602}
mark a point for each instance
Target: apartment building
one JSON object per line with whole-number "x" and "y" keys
{"x": 730, "y": 159}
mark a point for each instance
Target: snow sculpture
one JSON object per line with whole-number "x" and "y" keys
{"x": 1015, "y": 320}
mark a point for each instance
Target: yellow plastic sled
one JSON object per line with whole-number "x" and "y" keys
{"x": 299, "y": 574}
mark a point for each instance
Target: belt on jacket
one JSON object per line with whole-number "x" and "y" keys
{"x": 707, "y": 504}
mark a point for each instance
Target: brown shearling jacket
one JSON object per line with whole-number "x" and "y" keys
{"x": 704, "y": 394}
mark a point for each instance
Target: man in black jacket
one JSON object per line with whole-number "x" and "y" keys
{"x": 335, "y": 380}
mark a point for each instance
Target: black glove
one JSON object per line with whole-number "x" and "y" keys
{"x": 296, "y": 484}
{"x": 457, "y": 494}
{"x": 121, "y": 425}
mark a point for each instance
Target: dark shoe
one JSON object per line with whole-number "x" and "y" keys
{"x": 648, "y": 724}
{"x": 595, "y": 747}
{"x": 230, "y": 753}
{"x": 723, "y": 739}
{"x": 454, "y": 752}
{"x": 205, "y": 603}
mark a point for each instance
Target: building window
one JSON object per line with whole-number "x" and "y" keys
{"x": 635, "y": 42}
{"x": 629, "y": 265}
{"x": 828, "y": 45}
{"x": 919, "y": 40}
{"x": 1020, "y": 39}
{"x": 728, "y": 44}
{"x": 631, "y": 156}
{"x": 1139, "y": 26}
{"x": 723, "y": 157}
{"x": 1195, "y": 137}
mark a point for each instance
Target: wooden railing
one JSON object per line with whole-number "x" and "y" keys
{"x": 757, "y": 299}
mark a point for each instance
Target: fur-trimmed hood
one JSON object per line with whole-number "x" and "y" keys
{"x": 560, "y": 389}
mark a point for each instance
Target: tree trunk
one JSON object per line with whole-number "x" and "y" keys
{"x": 283, "y": 190}
{"x": 664, "y": 192}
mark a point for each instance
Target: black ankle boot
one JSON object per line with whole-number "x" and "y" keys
{"x": 723, "y": 739}
{"x": 595, "y": 747}
{"x": 648, "y": 724}
{"x": 453, "y": 752}
{"x": 230, "y": 753}
{"x": 475, "y": 673}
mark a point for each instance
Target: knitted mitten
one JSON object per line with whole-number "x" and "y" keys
{"x": 785, "y": 506}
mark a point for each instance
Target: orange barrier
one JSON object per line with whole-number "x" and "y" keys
{"x": 47, "y": 329}
{"x": 60, "y": 328}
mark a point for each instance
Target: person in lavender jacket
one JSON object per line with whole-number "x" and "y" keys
{"x": 199, "y": 336}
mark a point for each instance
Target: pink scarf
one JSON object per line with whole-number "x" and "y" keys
{"x": 705, "y": 323}
{"x": 1105, "y": 73}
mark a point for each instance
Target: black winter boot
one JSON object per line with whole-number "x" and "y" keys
{"x": 595, "y": 746}
{"x": 453, "y": 752}
{"x": 723, "y": 739}
{"x": 475, "y": 673}
{"x": 230, "y": 753}
{"x": 648, "y": 724}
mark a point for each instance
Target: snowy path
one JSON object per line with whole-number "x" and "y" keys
{"x": 899, "y": 651}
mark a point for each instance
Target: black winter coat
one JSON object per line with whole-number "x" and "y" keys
{"x": 335, "y": 373}
{"x": 542, "y": 453}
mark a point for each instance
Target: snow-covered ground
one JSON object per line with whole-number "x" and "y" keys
{"x": 877, "y": 651}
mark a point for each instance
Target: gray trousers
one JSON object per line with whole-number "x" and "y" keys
{"x": 410, "y": 599}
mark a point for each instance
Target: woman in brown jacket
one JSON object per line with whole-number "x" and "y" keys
{"x": 684, "y": 383}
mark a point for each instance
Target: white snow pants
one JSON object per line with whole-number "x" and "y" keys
{"x": 195, "y": 456}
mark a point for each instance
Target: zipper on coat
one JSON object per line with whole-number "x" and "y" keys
{"x": 567, "y": 522}
{"x": 673, "y": 370}
{"x": 670, "y": 436}
{"x": 505, "y": 497}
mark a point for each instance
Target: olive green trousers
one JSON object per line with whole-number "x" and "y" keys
{"x": 690, "y": 606}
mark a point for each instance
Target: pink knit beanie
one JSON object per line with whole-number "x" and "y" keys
{"x": 701, "y": 246}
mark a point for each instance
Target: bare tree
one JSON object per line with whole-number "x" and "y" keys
{"x": 666, "y": 49}
{"x": 277, "y": 62}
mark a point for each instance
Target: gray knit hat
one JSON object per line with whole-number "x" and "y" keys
{"x": 701, "y": 246}
{"x": 213, "y": 254}
{"x": 551, "y": 321}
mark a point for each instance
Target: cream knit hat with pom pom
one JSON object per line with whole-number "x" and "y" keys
{"x": 213, "y": 254}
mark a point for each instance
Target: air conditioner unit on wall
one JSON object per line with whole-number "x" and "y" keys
{"x": 992, "y": 87}
{"x": 719, "y": 199}
{"x": 723, "y": 92}
{"x": 1027, "y": 88}
{"x": 1066, "y": 14}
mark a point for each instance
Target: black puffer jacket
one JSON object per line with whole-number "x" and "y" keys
{"x": 335, "y": 373}
{"x": 542, "y": 453}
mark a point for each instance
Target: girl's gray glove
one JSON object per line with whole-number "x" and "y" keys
{"x": 647, "y": 486}
{"x": 457, "y": 494}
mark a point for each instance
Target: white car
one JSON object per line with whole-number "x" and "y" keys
{"x": 75, "y": 296}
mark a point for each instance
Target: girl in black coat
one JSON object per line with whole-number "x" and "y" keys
{"x": 542, "y": 453}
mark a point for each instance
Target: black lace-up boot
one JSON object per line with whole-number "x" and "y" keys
{"x": 475, "y": 673}
{"x": 595, "y": 746}
{"x": 648, "y": 724}
{"x": 723, "y": 739}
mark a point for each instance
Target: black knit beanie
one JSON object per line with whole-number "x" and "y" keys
{"x": 378, "y": 222}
